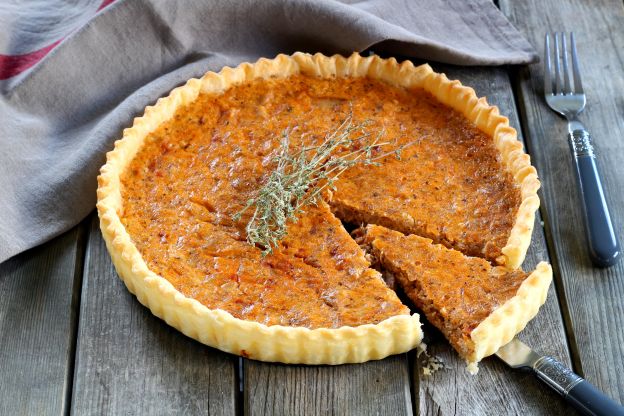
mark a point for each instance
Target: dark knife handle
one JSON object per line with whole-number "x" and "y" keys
{"x": 586, "y": 398}
{"x": 604, "y": 247}
{"x": 582, "y": 395}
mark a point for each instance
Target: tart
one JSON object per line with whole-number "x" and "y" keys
{"x": 169, "y": 193}
{"x": 478, "y": 307}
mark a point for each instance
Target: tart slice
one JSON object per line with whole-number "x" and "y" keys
{"x": 479, "y": 308}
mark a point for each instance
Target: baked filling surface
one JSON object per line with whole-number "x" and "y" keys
{"x": 198, "y": 169}
{"x": 455, "y": 292}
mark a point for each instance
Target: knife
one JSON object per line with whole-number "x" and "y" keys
{"x": 581, "y": 394}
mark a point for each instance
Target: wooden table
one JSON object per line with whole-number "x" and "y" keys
{"x": 73, "y": 339}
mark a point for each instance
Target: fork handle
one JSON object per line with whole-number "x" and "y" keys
{"x": 604, "y": 247}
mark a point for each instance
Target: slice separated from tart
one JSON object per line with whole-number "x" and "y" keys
{"x": 478, "y": 307}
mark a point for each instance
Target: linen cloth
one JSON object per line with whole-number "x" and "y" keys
{"x": 60, "y": 117}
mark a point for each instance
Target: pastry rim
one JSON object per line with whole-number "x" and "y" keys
{"x": 508, "y": 319}
{"x": 218, "y": 328}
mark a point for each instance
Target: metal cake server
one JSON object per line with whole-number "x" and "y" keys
{"x": 581, "y": 394}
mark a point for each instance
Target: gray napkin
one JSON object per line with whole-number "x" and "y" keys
{"x": 58, "y": 121}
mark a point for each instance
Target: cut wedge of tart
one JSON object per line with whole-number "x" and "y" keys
{"x": 170, "y": 192}
{"x": 479, "y": 308}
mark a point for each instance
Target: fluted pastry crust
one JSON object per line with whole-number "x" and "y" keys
{"x": 507, "y": 313}
{"x": 219, "y": 328}
{"x": 506, "y": 321}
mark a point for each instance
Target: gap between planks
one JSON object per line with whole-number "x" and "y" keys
{"x": 577, "y": 366}
{"x": 81, "y": 250}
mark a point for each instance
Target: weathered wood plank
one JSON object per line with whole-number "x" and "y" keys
{"x": 496, "y": 389}
{"x": 373, "y": 388}
{"x": 594, "y": 296}
{"x": 130, "y": 362}
{"x": 38, "y": 313}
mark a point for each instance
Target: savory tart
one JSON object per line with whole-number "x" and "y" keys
{"x": 478, "y": 307}
{"x": 172, "y": 197}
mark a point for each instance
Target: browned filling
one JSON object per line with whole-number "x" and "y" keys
{"x": 455, "y": 292}
{"x": 199, "y": 168}
{"x": 448, "y": 185}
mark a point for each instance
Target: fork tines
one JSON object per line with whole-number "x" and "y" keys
{"x": 553, "y": 82}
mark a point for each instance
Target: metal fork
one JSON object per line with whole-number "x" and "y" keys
{"x": 568, "y": 99}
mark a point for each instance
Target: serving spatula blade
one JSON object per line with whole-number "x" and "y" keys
{"x": 517, "y": 354}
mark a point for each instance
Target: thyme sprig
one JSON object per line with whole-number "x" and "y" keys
{"x": 301, "y": 176}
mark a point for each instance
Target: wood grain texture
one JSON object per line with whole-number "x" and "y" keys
{"x": 595, "y": 296}
{"x": 37, "y": 327}
{"x": 130, "y": 362}
{"x": 496, "y": 389}
{"x": 372, "y": 388}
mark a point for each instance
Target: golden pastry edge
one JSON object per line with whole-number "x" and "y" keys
{"x": 219, "y": 328}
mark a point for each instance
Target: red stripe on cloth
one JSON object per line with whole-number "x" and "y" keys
{"x": 104, "y": 4}
{"x": 11, "y": 65}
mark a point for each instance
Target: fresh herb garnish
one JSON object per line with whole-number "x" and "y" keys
{"x": 300, "y": 177}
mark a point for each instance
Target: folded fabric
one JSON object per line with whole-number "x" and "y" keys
{"x": 59, "y": 119}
